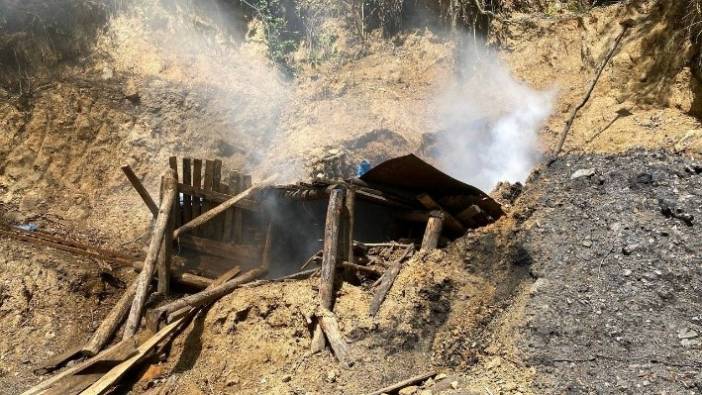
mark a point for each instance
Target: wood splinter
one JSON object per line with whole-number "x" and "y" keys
{"x": 403, "y": 383}
{"x": 139, "y": 187}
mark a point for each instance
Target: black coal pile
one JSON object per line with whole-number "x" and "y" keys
{"x": 616, "y": 255}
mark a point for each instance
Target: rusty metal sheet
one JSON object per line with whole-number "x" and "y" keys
{"x": 412, "y": 174}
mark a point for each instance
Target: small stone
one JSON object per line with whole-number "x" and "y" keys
{"x": 687, "y": 334}
{"x": 626, "y": 272}
{"x": 587, "y": 243}
{"x": 233, "y": 381}
{"x": 331, "y": 376}
{"x": 582, "y": 173}
{"x": 629, "y": 249}
{"x": 411, "y": 390}
{"x": 439, "y": 377}
{"x": 454, "y": 385}
{"x": 286, "y": 378}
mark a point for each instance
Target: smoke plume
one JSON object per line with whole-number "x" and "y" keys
{"x": 488, "y": 122}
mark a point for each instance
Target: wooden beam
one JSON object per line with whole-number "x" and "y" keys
{"x": 330, "y": 253}
{"x": 217, "y": 197}
{"x": 331, "y": 330}
{"x": 144, "y": 279}
{"x": 187, "y": 198}
{"x": 197, "y": 186}
{"x": 110, "y": 324}
{"x": 209, "y": 295}
{"x": 206, "y": 217}
{"x": 451, "y": 222}
{"x": 163, "y": 264}
{"x": 386, "y": 282}
{"x": 136, "y": 183}
{"x": 178, "y": 220}
{"x": 432, "y": 233}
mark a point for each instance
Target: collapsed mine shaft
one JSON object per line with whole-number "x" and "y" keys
{"x": 216, "y": 230}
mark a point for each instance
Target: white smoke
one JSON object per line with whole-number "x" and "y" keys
{"x": 488, "y": 122}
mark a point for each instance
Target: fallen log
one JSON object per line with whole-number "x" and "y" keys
{"x": 403, "y": 383}
{"x": 386, "y": 282}
{"x": 223, "y": 278}
{"x": 432, "y": 232}
{"x": 360, "y": 268}
{"x": 329, "y": 257}
{"x": 187, "y": 279}
{"x": 134, "y": 180}
{"x": 144, "y": 279}
{"x": 110, "y": 324}
{"x": 330, "y": 327}
{"x": 219, "y": 209}
{"x": 209, "y": 295}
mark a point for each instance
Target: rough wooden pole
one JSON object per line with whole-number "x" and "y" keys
{"x": 329, "y": 257}
{"x": 403, "y": 384}
{"x": 432, "y": 232}
{"x": 134, "y": 180}
{"x": 110, "y": 324}
{"x": 210, "y": 294}
{"x": 166, "y": 251}
{"x": 330, "y": 326}
{"x": 209, "y": 215}
{"x": 147, "y": 272}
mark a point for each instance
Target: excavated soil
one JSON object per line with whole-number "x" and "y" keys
{"x": 588, "y": 285}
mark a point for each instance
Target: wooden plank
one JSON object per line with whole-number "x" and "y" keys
{"x": 118, "y": 352}
{"x": 197, "y": 185}
{"x": 187, "y": 199}
{"x": 111, "y": 377}
{"x": 142, "y": 291}
{"x": 217, "y": 223}
{"x": 330, "y": 253}
{"x": 217, "y": 197}
{"x": 239, "y": 253}
{"x": 228, "y": 217}
{"x": 206, "y": 230}
{"x": 238, "y": 230}
{"x": 173, "y": 163}
{"x": 451, "y": 222}
{"x": 139, "y": 187}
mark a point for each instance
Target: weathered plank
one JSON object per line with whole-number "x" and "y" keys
{"x": 197, "y": 185}
{"x": 187, "y": 198}
{"x": 432, "y": 232}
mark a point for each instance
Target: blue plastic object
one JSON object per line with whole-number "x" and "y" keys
{"x": 362, "y": 168}
{"x": 30, "y": 227}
